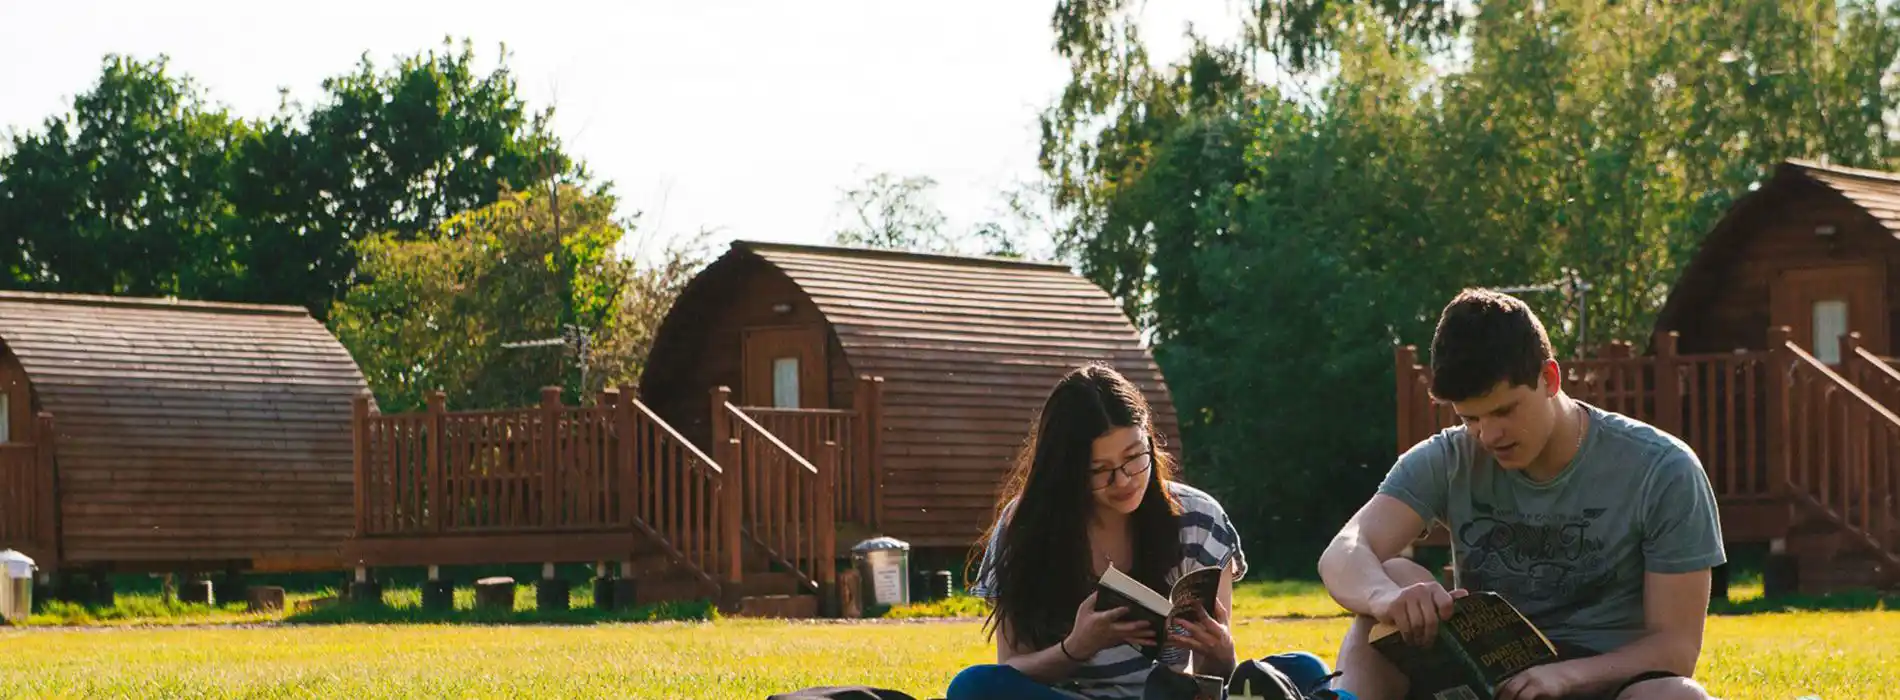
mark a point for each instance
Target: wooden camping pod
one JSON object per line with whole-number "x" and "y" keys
{"x": 173, "y": 433}
{"x": 967, "y": 348}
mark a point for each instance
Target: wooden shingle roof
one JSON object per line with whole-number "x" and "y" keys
{"x": 1876, "y": 192}
{"x": 969, "y": 349}
{"x": 190, "y": 431}
{"x": 999, "y": 328}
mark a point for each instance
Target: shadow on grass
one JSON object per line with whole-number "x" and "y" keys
{"x": 345, "y": 613}
{"x": 138, "y": 610}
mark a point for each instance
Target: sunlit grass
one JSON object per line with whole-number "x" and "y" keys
{"x": 1779, "y": 656}
{"x": 1831, "y": 647}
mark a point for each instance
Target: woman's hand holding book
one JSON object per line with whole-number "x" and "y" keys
{"x": 1097, "y": 630}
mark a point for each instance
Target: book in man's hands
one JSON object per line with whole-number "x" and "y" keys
{"x": 1195, "y": 591}
{"x": 1485, "y": 642}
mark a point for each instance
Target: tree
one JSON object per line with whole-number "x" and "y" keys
{"x": 398, "y": 151}
{"x": 146, "y": 188}
{"x": 124, "y": 194}
{"x": 644, "y": 301}
{"x": 432, "y": 313}
{"x": 1277, "y": 243}
{"x": 893, "y": 213}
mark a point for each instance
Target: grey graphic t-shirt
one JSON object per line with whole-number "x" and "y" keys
{"x": 1569, "y": 553}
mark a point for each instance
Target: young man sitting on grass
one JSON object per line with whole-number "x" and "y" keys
{"x": 1601, "y": 529}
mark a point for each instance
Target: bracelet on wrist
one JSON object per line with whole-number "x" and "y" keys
{"x": 1064, "y": 645}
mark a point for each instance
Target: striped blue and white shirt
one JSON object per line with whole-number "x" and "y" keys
{"x": 1207, "y": 538}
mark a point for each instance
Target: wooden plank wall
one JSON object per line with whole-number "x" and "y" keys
{"x": 191, "y": 432}
{"x": 1734, "y": 312}
{"x": 968, "y": 353}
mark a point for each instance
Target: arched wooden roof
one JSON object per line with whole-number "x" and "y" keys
{"x": 190, "y": 431}
{"x": 1875, "y": 193}
{"x": 968, "y": 348}
{"x": 996, "y": 329}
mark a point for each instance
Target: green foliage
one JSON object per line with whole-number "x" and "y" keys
{"x": 145, "y": 188}
{"x": 123, "y": 195}
{"x": 395, "y": 151}
{"x": 432, "y": 312}
{"x": 1279, "y": 242}
{"x": 404, "y": 607}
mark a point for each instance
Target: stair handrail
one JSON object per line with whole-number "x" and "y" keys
{"x": 1875, "y": 363}
{"x": 1873, "y": 533}
{"x": 806, "y": 546}
{"x": 709, "y": 463}
{"x": 707, "y": 550}
{"x": 752, "y": 425}
{"x": 1839, "y": 382}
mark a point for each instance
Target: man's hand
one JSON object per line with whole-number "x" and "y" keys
{"x": 1416, "y": 610}
{"x": 1545, "y": 682}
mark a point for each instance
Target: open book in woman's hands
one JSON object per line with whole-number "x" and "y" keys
{"x": 1191, "y": 597}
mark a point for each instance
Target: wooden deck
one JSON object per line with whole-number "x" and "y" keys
{"x": 1792, "y": 446}
{"x": 754, "y": 509}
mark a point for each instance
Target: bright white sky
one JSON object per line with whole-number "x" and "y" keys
{"x": 747, "y": 117}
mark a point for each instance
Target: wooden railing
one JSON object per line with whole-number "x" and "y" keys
{"x": 806, "y": 430}
{"x": 1872, "y": 373}
{"x": 683, "y": 498}
{"x": 551, "y": 469}
{"x": 1767, "y": 424}
{"x": 788, "y": 505}
{"x": 1841, "y": 455}
{"x": 1717, "y": 404}
{"x": 29, "y": 519}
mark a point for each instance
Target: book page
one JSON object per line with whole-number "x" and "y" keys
{"x": 1140, "y": 594}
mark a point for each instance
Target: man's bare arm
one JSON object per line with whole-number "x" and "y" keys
{"x": 1353, "y": 566}
{"x": 1675, "y": 608}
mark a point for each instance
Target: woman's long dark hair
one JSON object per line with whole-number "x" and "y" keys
{"x": 1042, "y": 569}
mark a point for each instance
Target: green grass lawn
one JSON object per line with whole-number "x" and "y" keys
{"x": 1782, "y": 655}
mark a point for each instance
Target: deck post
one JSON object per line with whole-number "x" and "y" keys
{"x": 1850, "y": 360}
{"x": 726, "y": 452}
{"x": 438, "y": 422}
{"x": 876, "y": 422}
{"x": 1405, "y": 358}
{"x": 626, "y": 450}
{"x": 1668, "y": 384}
{"x": 46, "y": 473}
{"x": 550, "y": 454}
{"x": 359, "y": 440}
{"x": 1780, "y": 367}
{"x": 827, "y": 545}
{"x": 732, "y": 517}
{"x": 861, "y": 459}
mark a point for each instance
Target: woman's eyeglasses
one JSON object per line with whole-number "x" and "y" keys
{"x": 1134, "y": 468}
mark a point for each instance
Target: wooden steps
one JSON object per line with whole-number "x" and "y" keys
{"x": 1829, "y": 559}
{"x": 778, "y": 607}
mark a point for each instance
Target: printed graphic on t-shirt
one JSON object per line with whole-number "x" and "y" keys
{"x": 1548, "y": 564}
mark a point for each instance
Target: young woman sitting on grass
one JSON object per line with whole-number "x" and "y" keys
{"x": 1091, "y": 489}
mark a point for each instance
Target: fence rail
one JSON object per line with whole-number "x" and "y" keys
{"x": 1766, "y": 424}
{"x": 1717, "y": 403}
{"x": 549, "y": 469}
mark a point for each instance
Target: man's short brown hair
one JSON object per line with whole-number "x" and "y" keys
{"x": 1483, "y": 338}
